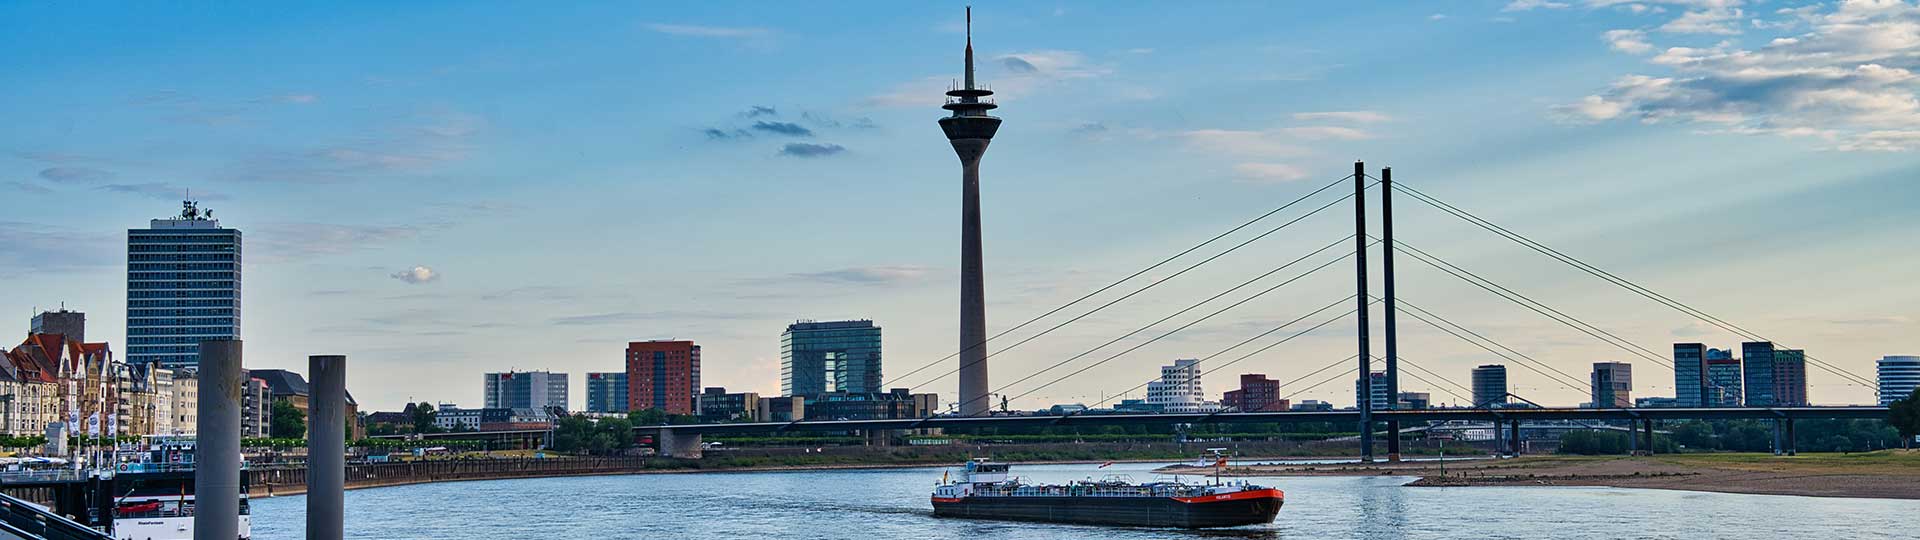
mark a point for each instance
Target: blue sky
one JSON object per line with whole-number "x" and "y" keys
{"x": 440, "y": 190}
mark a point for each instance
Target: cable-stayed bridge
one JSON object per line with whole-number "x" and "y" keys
{"x": 1356, "y": 306}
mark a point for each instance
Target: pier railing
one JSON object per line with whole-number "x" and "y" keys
{"x": 25, "y": 520}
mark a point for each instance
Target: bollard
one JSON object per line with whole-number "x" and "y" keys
{"x": 327, "y": 448}
{"x": 216, "y": 475}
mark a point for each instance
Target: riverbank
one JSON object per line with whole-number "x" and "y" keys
{"x": 1892, "y": 474}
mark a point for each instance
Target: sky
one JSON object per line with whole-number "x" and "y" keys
{"x": 440, "y": 190}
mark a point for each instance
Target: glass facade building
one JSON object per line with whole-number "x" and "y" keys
{"x": 526, "y": 390}
{"x": 1774, "y": 377}
{"x": 607, "y": 392}
{"x": 1489, "y": 386}
{"x": 183, "y": 287}
{"x": 836, "y": 356}
{"x": 1689, "y": 374}
{"x": 1723, "y": 379}
{"x": 1899, "y": 376}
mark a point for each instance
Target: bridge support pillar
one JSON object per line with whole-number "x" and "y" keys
{"x": 675, "y": 444}
{"x": 1649, "y": 423}
{"x": 1499, "y": 439}
{"x": 879, "y": 437}
{"x": 1633, "y": 437}
{"x": 1513, "y": 442}
{"x": 1779, "y": 445}
{"x": 1791, "y": 450}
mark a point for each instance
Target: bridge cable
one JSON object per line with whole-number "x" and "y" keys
{"x": 1243, "y": 301}
{"x": 1450, "y": 392}
{"x": 1577, "y": 383}
{"x": 1122, "y": 298}
{"x": 1129, "y": 277}
{"x": 1615, "y": 279}
{"x": 1203, "y": 360}
{"x": 1530, "y": 303}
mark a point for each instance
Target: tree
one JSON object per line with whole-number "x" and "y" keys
{"x": 1905, "y": 417}
{"x": 287, "y": 422}
{"x": 423, "y": 415}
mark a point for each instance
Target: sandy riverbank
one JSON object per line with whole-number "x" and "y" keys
{"x": 1887, "y": 474}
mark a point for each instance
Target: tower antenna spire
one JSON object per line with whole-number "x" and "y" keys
{"x": 969, "y": 47}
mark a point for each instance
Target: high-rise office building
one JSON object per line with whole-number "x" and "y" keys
{"x": 1723, "y": 379}
{"x": 526, "y": 390}
{"x": 664, "y": 375}
{"x": 1612, "y": 384}
{"x": 1257, "y": 393}
{"x": 1790, "y": 377}
{"x": 1775, "y": 377}
{"x": 1899, "y": 376}
{"x": 72, "y": 324}
{"x": 1179, "y": 389}
{"x": 607, "y": 392}
{"x": 834, "y": 356}
{"x": 1689, "y": 374}
{"x": 1490, "y": 385}
{"x": 1757, "y": 368}
{"x": 183, "y": 287}
{"x": 1374, "y": 391}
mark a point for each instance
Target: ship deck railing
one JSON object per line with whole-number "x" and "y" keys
{"x": 1081, "y": 490}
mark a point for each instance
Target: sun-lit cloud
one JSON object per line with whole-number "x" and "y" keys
{"x": 416, "y": 275}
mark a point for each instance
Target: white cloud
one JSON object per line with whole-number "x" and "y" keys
{"x": 1848, "y": 79}
{"x": 1364, "y": 117}
{"x": 1437, "y": 17}
{"x": 1241, "y": 142}
{"x": 1530, "y": 5}
{"x": 1628, "y": 41}
{"x": 416, "y": 275}
{"x": 690, "y": 30}
{"x": 1270, "y": 172}
{"x": 1711, "y": 20}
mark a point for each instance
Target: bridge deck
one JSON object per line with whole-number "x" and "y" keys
{"x": 1731, "y": 413}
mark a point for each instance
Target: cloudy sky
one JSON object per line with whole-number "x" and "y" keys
{"x": 443, "y": 190}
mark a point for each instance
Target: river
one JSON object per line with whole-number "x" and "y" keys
{"x": 892, "y": 503}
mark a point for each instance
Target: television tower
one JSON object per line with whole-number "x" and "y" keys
{"x": 969, "y": 129}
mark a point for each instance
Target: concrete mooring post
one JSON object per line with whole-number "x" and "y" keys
{"x": 327, "y": 447}
{"x": 216, "y": 476}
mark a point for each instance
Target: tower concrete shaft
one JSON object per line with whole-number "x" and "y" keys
{"x": 970, "y": 129}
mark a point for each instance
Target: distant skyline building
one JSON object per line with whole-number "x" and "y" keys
{"x": 1612, "y": 384}
{"x": 1179, "y": 389}
{"x": 1723, "y": 379}
{"x": 1414, "y": 401}
{"x": 607, "y": 392}
{"x": 833, "y": 356}
{"x": 1689, "y": 374}
{"x": 1489, "y": 385}
{"x": 663, "y": 375}
{"x": 1899, "y": 375}
{"x": 526, "y": 390}
{"x": 71, "y": 324}
{"x": 969, "y": 129}
{"x": 183, "y": 287}
{"x": 1775, "y": 377}
{"x": 1257, "y": 393}
{"x": 1378, "y": 395}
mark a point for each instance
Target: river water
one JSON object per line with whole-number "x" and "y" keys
{"x": 892, "y": 503}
